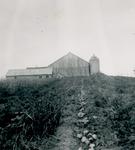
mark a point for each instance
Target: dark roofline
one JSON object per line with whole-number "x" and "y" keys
{"x": 36, "y": 67}
{"x": 58, "y": 60}
{"x": 66, "y": 55}
{"x": 80, "y": 58}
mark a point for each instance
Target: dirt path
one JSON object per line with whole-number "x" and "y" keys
{"x": 65, "y": 132}
{"x": 65, "y": 135}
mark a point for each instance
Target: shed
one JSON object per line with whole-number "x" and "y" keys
{"x": 33, "y": 73}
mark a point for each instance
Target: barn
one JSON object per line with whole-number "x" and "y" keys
{"x": 69, "y": 65}
{"x": 30, "y": 73}
{"x": 72, "y": 65}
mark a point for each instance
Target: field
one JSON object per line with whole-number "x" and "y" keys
{"x": 43, "y": 114}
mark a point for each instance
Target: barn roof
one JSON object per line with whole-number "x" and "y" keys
{"x": 29, "y": 72}
{"x": 68, "y": 54}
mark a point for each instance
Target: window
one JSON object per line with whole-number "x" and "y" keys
{"x": 47, "y": 76}
{"x": 40, "y": 77}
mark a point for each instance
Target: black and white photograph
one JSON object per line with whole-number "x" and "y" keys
{"x": 67, "y": 74}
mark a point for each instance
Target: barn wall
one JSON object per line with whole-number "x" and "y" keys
{"x": 81, "y": 71}
{"x": 71, "y": 65}
{"x": 30, "y": 77}
{"x": 10, "y": 77}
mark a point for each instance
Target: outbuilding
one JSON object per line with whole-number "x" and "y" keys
{"x": 30, "y": 73}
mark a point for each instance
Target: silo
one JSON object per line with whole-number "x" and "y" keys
{"x": 94, "y": 65}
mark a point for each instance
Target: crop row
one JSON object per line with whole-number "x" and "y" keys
{"x": 29, "y": 111}
{"x": 111, "y": 110}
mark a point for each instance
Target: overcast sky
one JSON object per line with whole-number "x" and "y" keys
{"x": 38, "y": 32}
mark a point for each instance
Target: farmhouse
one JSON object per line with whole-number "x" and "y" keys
{"x": 68, "y": 66}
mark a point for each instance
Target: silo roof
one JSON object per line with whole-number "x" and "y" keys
{"x": 94, "y": 58}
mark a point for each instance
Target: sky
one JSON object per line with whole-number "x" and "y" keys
{"x": 38, "y": 32}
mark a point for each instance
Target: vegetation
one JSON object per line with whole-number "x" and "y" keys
{"x": 111, "y": 110}
{"x": 31, "y": 110}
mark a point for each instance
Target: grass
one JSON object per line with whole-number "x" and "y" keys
{"x": 111, "y": 100}
{"x": 30, "y": 111}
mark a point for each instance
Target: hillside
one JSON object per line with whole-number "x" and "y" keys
{"x": 68, "y": 114}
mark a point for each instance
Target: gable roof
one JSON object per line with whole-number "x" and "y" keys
{"x": 39, "y": 70}
{"x": 68, "y": 54}
{"x": 29, "y": 72}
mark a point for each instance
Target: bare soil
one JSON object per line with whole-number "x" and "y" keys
{"x": 65, "y": 133}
